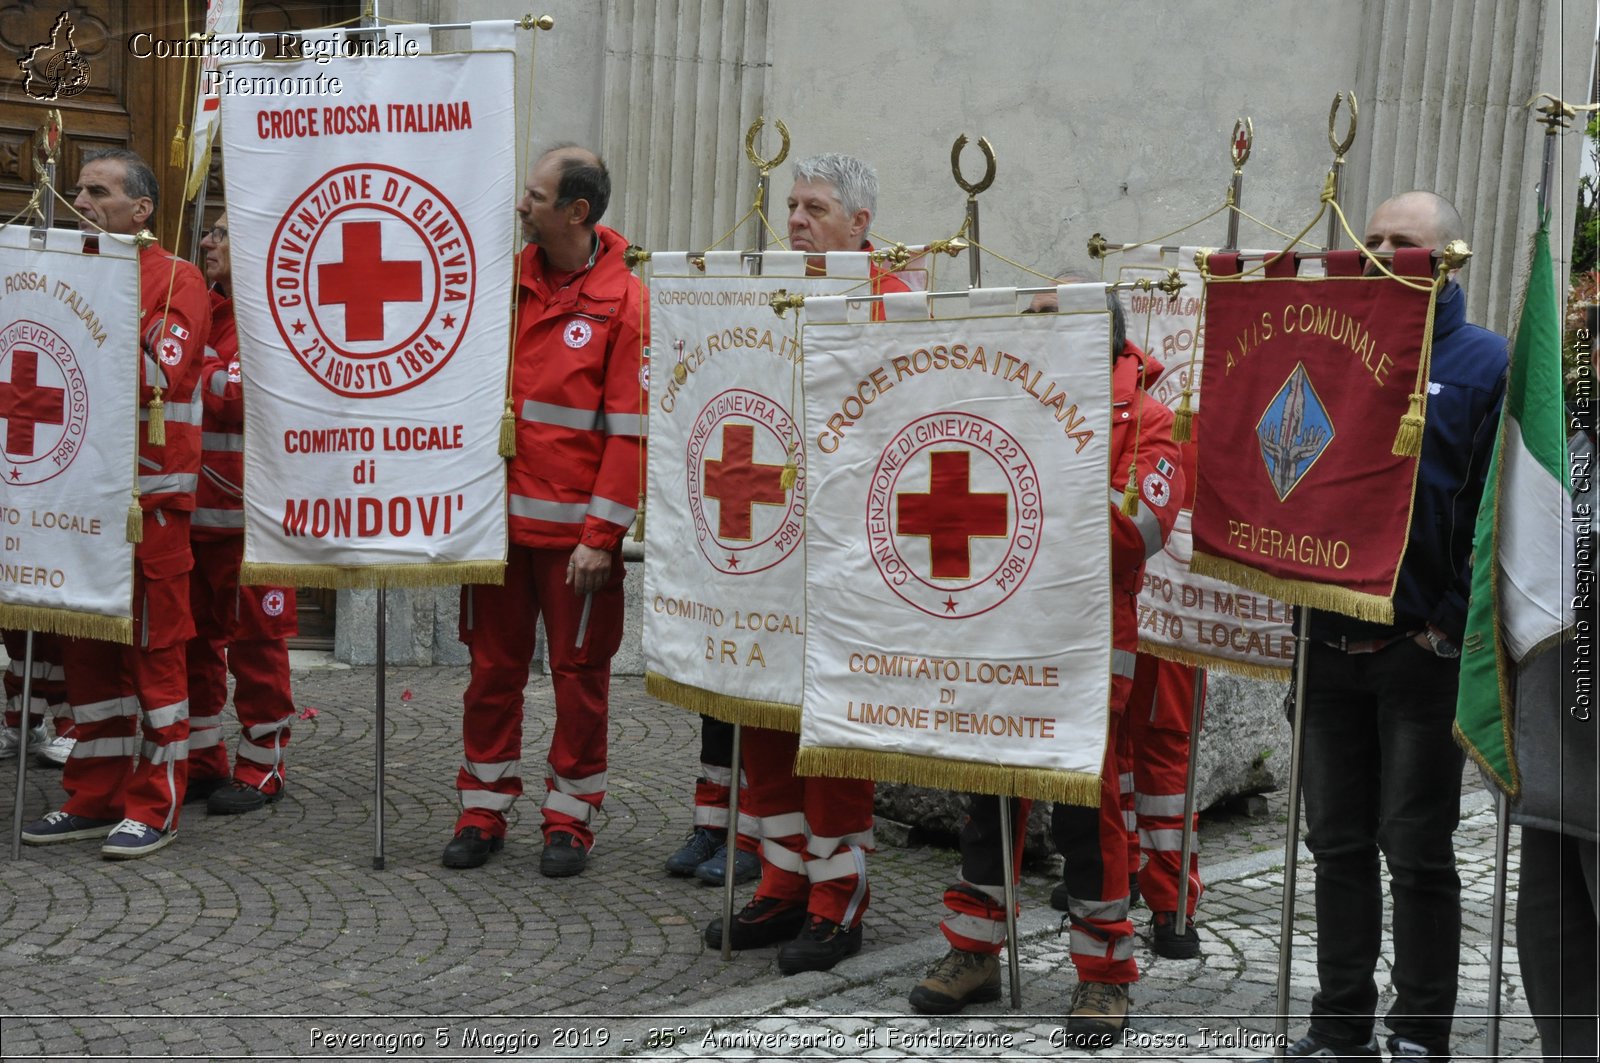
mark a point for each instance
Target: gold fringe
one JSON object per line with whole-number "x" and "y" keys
{"x": 1367, "y": 607}
{"x": 424, "y": 574}
{"x": 1512, "y": 786}
{"x": 1253, "y": 669}
{"x": 1408, "y": 437}
{"x": 508, "y": 432}
{"x": 68, "y": 622}
{"x": 773, "y": 715}
{"x": 1183, "y": 418}
{"x": 156, "y": 427}
{"x": 1069, "y": 787}
{"x": 134, "y": 531}
{"x": 1130, "y": 492}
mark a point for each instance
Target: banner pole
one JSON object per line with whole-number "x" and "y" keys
{"x": 1291, "y": 845}
{"x": 1497, "y": 924}
{"x": 1340, "y": 147}
{"x": 1008, "y": 864}
{"x": 731, "y": 843}
{"x": 972, "y": 188}
{"x": 197, "y": 226}
{"x": 380, "y": 728}
{"x": 22, "y": 748}
{"x": 1180, "y": 918}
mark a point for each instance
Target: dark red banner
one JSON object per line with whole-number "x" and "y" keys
{"x": 1300, "y": 492}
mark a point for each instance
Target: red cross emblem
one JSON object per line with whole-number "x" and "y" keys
{"x": 951, "y": 515}
{"x": 364, "y": 282}
{"x": 577, "y": 333}
{"x": 24, "y": 403}
{"x": 757, "y": 523}
{"x": 739, "y": 483}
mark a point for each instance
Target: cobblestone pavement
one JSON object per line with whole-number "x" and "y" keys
{"x": 272, "y": 935}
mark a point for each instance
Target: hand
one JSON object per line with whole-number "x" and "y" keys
{"x": 587, "y": 570}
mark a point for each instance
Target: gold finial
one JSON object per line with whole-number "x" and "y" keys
{"x": 144, "y": 238}
{"x": 952, "y": 247}
{"x": 1244, "y": 138}
{"x": 1455, "y": 254}
{"x": 1172, "y": 283}
{"x": 896, "y": 257}
{"x": 765, "y": 165}
{"x": 543, "y": 22}
{"x": 1202, "y": 259}
{"x": 1097, "y": 246}
{"x": 1557, "y": 111}
{"x": 1340, "y": 147}
{"x": 633, "y": 254}
{"x": 988, "y": 157}
{"x": 782, "y": 301}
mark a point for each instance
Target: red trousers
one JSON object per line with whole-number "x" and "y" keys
{"x": 238, "y": 629}
{"x": 815, "y": 832}
{"x": 713, "y": 789}
{"x": 1156, "y": 766}
{"x": 497, "y": 624}
{"x": 48, "y": 692}
{"x": 118, "y": 691}
{"x": 1093, "y": 842}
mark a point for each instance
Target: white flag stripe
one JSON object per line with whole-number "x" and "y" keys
{"x": 1536, "y": 538}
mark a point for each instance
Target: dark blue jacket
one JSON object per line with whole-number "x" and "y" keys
{"x": 1466, "y": 382}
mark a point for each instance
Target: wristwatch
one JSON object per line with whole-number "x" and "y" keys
{"x": 1442, "y": 646}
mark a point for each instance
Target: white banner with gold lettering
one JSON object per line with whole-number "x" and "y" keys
{"x": 371, "y": 234}
{"x": 69, "y": 422}
{"x": 1184, "y": 616}
{"x": 724, "y": 630}
{"x": 958, "y": 587}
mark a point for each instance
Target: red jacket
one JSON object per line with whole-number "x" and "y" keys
{"x": 578, "y": 389}
{"x": 1137, "y": 417}
{"x": 219, "y": 500}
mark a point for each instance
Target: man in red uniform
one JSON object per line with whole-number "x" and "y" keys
{"x": 237, "y": 628}
{"x": 1093, "y": 840}
{"x": 578, "y": 383}
{"x": 815, "y": 833}
{"x": 115, "y": 689}
{"x": 51, "y": 742}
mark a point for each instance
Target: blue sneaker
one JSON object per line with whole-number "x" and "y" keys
{"x": 132, "y": 839}
{"x": 746, "y": 867}
{"x": 696, "y": 851}
{"x": 62, "y": 826}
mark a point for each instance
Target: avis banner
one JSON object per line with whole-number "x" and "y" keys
{"x": 1305, "y": 489}
{"x": 724, "y": 626}
{"x": 957, "y": 545}
{"x": 69, "y": 421}
{"x": 1184, "y": 616}
{"x": 371, "y": 235}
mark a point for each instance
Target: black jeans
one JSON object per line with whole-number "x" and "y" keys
{"x": 1382, "y": 773}
{"x": 1558, "y": 940}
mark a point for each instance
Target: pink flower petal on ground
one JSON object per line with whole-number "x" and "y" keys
{"x": 307, "y": 713}
{"x": 407, "y": 695}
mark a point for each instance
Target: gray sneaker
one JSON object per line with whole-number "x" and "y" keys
{"x": 54, "y": 753}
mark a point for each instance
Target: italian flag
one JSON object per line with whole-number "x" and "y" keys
{"x": 1523, "y": 550}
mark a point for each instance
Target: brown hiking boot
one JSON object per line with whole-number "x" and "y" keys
{"x": 961, "y": 978}
{"x": 1099, "y": 1014}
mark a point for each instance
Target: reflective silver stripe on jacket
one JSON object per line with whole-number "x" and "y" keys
{"x": 626, "y": 424}
{"x": 179, "y": 483}
{"x": 154, "y": 375}
{"x": 1122, "y": 662}
{"x": 562, "y": 416}
{"x": 231, "y": 442}
{"x": 606, "y": 509}
{"x": 217, "y": 518}
{"x": 177, "y": 412}
{"x": 554, "y": 512}
{"x": 219, "y": 384}
{"x": 1144, "y": 520}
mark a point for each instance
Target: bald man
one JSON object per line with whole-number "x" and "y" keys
{"x": 578, "y": 382}
{"x": 1382, "y": 772}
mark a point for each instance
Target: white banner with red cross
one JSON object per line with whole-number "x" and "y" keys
{"x": 958, "y": 564}
{"x": 69, "y": 422}
{"x": 372, "y": 240}
{"x": 724, "y": 630}
{"x": 1184, "y": 616}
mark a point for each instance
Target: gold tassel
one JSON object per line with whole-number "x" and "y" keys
{"x": 156, "y": 427}
{"x": 135, "y": 529}
{"x": 1183, "y": 418}
{"x": 638, "y": 525}
{"x": 508, "y": 433}
{"x": 1408, "y": 438}
{"x": 791, "y": 473}
{"x": 1130, "y": 493}
{"x": 179, "y": 153}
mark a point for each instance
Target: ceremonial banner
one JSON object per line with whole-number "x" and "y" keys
{"x": 724, "y": 630}
{"x": 1184, "y": 616}
{"x": 958, "y": 566}
{"x": 1525, "y": 538}
{"x": 69, "y": 422}
{"x": 1313, "y": 385}
{"x": 372, "y": 260}
{"x": 222, "y": 28}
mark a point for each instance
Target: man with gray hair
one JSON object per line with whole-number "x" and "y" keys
{"x": 815, "y": 833}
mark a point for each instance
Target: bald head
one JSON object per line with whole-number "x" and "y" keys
{"x": 581, "y": 174}
{"x": 1414, "y": 219}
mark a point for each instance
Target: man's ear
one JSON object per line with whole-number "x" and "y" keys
{"x": 578, "y": 211}
{"x": 860, "y": 222}
{"x": 142, "y": 209}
